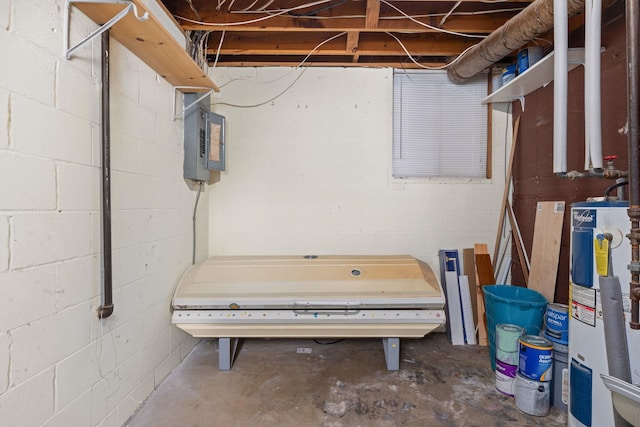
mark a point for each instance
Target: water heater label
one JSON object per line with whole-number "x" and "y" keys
{"x": 583, "y": 218}
{"x": 583, "y": 304}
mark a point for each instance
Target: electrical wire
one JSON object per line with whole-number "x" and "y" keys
{"x": 431, "y": 27}
{"x": 427, "y": 67}
{"x": 195, "y": 208}
{"x": 284, "y": 75}
{"x": 448, "y": 14}
{"x": 252, "y": 21}
{"x": 320, "y": 9}
{"x": 215, "y": 62}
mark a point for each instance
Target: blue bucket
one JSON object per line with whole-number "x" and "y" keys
{"x": 515, "y": 305}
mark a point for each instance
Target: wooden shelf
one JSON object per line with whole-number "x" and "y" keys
{"x": 156, "y": 41}
{"x": 539, "y": 75}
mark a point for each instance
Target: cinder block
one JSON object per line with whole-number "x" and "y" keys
{"x": 154, "y": 352}
{"x": 29, "y": 404}
{"x": 4, "y": 243}
{"x": 125, "y": 72}
{"x": 39, "y": 345}
{"x": 26, "y": 182}
{"x": 128, "y": 405}
{"x": 167, "y": 365}
{"x": 125, "y": 153}
{"x": 48, "y": 237}
{"x": 155, "y": 93}
{"x": 86, "y": 90}
{"x": 162, "y": 163}
{"x": 169, "y": 134}
{"x": 128, "y": 117}
{"x": 34, "y": 78}
{"x": 132, "y": 336}
{"x": 4, "y": 113}
{"x": 28, "y": 296}
{"x": 82, "y": 370}
{"x": 77, "y": 413}
{"x": 49, "y": 16}
{"x": 115, "y": 386}
{"x": 188, "y": 345}
{"x": 130, "y": 191}
{"x": 47, "y": 132}
{"x": 79, "y": 188}
{"x": 77, "y": 281}
{"x": 5, "y": 14}
{"x": 5, "y": 361}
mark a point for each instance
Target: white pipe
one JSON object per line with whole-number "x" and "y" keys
{"x": 592, "y": 87}
{"x": 560, "y": 84}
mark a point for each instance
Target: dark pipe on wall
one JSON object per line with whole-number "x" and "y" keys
{"x": 634, "y": 156}
{"x": 106, "y": 309}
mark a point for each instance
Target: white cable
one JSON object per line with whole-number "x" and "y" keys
{"x": 444, "y": 18}
{"x": 215, "y": 62}
{"x": 389, "y": 17}
{"x": 455, "y": 33}
{"x": 250, "y": 6}
{"x": 288, "y": 87}
{"x": 252, "y": 21}
{"x": 266, "y": 5}
{"x": 427, "y": 67}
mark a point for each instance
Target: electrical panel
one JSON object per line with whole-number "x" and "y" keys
{"x": 203, "y": 138}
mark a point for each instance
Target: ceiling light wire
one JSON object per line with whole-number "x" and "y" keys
{"x": 448, "y": 14}
{"x": 252, "y": 21}
{"x": 288, "y": 87}
{"x": 215, "y": 62}
{"x": 442, "y": 30}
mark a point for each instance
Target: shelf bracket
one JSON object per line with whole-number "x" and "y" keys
{"x": 521, "y": 99}
{"x": 129, "y": 7}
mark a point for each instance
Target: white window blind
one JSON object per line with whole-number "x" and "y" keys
{"x": 439, "y": 128}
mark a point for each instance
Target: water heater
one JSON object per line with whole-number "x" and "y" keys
{"x": 590, "y": 402}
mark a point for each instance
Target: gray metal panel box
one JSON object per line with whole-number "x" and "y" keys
{"x": 196, "y": 137}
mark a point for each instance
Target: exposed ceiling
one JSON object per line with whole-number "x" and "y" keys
{"x": 339, "y": 32}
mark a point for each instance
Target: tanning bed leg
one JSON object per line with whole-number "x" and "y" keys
{"x": 392, "y": 353}
{"x": 226, "y": 352}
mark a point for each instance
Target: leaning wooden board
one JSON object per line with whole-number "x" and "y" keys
{"x": 481, "y": 256}
{"x": 545, "y": 251}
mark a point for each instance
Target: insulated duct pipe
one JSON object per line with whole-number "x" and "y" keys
{"x": 535, "y": 20}
{"x": 106, "y": 309}
{"x": 615, "y": 335}
{"x": 633, "y": 85}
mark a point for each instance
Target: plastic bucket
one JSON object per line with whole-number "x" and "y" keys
{"x": 512, "y": 304}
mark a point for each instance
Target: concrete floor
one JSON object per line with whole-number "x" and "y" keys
{"x": 341, "y": 384}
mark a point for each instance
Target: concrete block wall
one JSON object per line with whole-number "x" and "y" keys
{"x": 59, "y": 364}
{"x": 309, "y": 172}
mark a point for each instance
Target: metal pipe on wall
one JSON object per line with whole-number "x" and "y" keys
{"x": 633, "y": 85}
{"x": 106, "y": 309}
{"x": 560, "y": 85}
{"x": 535, "y": 20}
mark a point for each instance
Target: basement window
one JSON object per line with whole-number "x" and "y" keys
{"x": 439, "y": 127}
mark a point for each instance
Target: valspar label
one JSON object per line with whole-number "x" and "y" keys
{"x": 585, "y": 218}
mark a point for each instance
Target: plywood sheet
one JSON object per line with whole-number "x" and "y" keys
{"x": 545, "y": 252}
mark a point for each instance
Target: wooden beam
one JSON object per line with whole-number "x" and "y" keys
{"x": 372, "y": 14}
{"x": 356, "y": 44}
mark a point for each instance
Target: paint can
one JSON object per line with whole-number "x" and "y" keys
{"x": 527, "y": 57}
{"x": 507, "y": 337}
{"x": 560, "y": 381}
{"x": 556, "y": 322}
{"x": 508, "y": 73}
{"x": 535, "y": 361}
{"x": 531, "y": 396}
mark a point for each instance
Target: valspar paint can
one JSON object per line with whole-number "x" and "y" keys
{"x": 507, "y": 337}
{"x": 556, "y": 322}
{"x": 531, "y": 396}
{"x": 536, "y": 358}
